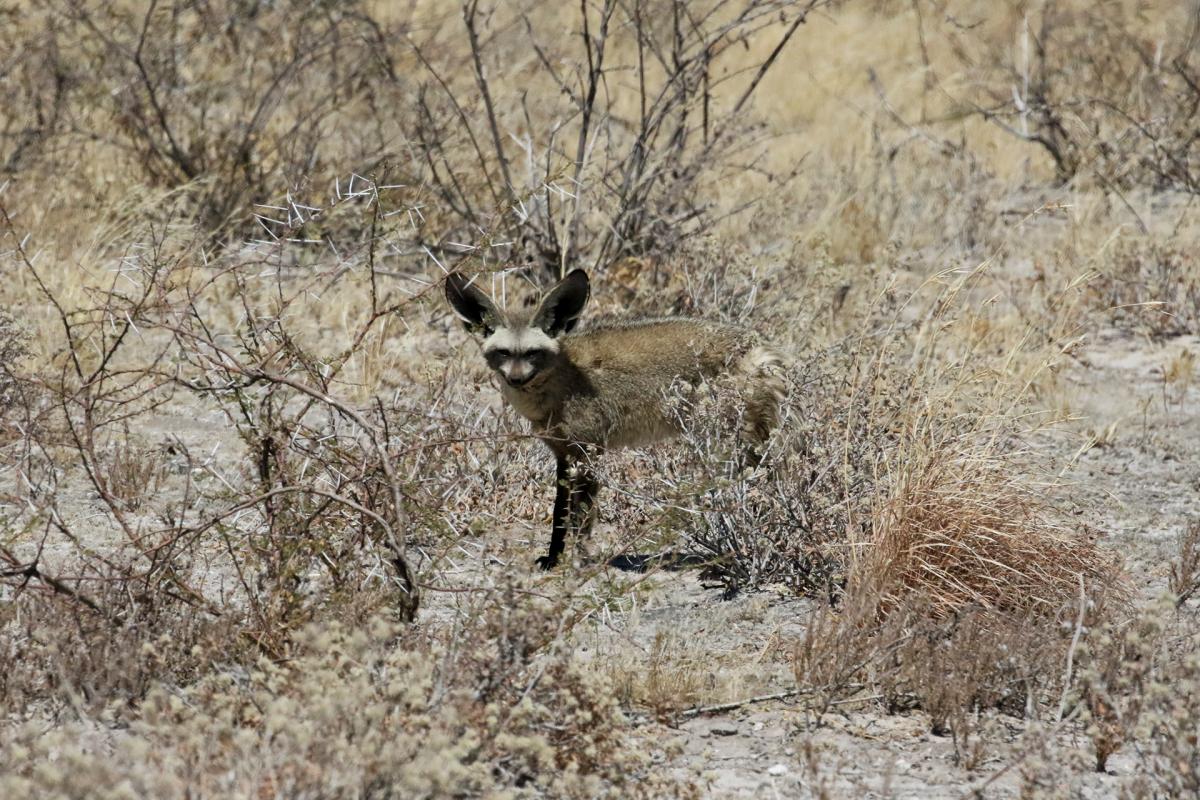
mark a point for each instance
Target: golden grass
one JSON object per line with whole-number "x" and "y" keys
{"x": 965, "y": 529}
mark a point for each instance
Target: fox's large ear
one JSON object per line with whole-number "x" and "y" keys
{"x": 472, "y": 306}
{"x": 561, "y": 307}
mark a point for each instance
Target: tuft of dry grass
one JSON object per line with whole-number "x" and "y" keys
{"x": 960, "y": 529}
{"x": 133, "y": 471}
{"x": 1183, "y": 578}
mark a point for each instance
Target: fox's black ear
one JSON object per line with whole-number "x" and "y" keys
{"x": 472, "y": 306}
{"x": 560, "y": 309}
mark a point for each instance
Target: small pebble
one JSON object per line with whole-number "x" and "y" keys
{"x": 778, "y": 769}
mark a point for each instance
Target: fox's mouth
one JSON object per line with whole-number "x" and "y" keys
{"x": 518, "y": 383}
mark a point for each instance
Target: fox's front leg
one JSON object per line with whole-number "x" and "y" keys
{"x": 562, "y": 511}
{"x": 574, "y": 501}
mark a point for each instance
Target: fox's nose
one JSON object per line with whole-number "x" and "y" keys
{"x": 517, "y": 373}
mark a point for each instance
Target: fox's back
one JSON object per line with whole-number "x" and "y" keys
{"x": 656, "y": 350}
{"x": 621, "y": 378}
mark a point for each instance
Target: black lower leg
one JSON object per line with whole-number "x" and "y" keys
{"x": 562, "y": 513}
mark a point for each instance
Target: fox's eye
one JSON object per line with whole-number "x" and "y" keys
{"x": 502, "y": 354}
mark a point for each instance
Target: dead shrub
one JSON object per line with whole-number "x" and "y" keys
{"x": 965, "y": 599}
{"x": 587, "y": 177}
{"x": 59, "y": 656}
{"x": 1166, "y": 744}
{"x": 1120, "y": 663}
{"x": 787, "y": 520}
{"x": 233, "y": 101}
{"x": 307, "y": 521}
{"x": 893, "y": 471}
{"x": 1151, "y": 287}
{"x": 362, "y": 711}
{"x": 961, "y": 670}
{"x": 966, "y": 589}
{"x": 1104, "y": 90}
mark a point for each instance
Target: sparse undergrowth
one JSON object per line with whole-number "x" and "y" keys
{"x": 263, "y": 534}
{"x": 370, "y": 709}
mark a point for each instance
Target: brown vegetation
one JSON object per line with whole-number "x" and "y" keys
{"x": 263, "y": 535}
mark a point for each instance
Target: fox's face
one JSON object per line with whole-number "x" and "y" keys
{"x": 520, "y": 347}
